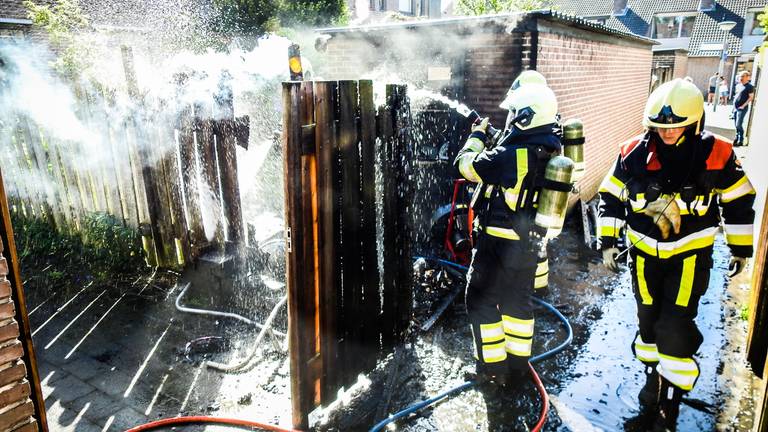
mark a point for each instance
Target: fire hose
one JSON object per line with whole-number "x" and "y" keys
{"x": 177, "y": 421}
{"x": 469, "y": 384}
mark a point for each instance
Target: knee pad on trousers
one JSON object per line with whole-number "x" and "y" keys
{"x": 677, "y": 337}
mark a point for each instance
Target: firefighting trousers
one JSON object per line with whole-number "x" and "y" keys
{"x": 499, "y": 286}
{"x": 667, "y": 292}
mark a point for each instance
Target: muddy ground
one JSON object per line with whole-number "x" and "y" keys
{"x": 114, "y": 354}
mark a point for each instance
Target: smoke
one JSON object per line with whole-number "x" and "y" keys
{"x": 66, "y": 141}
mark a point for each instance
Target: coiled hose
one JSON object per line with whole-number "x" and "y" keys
{"x": 543, "y": 356}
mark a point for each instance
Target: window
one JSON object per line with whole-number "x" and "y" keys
{"x": 597, "y": 20}
{"x": 406, "y": 6}
{"x": 673, "y": 26}
{"x": 757, "y": 29}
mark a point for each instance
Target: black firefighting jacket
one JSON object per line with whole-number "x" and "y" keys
{"x": 509, "y": 174}
{"x": 704, "y": 176}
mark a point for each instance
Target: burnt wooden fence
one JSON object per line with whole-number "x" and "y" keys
{"x": 342, "y": 312}
{"x": 167, "y": 170}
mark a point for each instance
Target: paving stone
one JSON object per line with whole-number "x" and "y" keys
{"x": 61, "y": 419}
{"x": 85, "y": 368}
{"x": 112, "y": 383}
{"x": 100, "y": 406}
{"x": 69, "y": 389}
{"x": 126, "y": 419}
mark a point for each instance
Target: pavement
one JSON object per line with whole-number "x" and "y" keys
{"x": 718, "y": 120}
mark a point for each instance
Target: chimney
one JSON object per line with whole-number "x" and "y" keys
{"x": 707, "y": 5}
{"x": 619, "y": 7}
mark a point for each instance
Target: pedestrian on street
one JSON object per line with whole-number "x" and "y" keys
{"x": 501, "y": 276}
{"x": 745, "y": 92}
{"x": 713, "y": 80}
{"x": 723, "y": 92}
{"x": 668, "y": 187}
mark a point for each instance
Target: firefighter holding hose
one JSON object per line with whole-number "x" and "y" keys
{"x": 510, "y": 175}
{"x": 669, "y": 186}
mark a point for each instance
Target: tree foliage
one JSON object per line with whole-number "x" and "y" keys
{"x": 62, "y": 22}
{"x": 261, "y": 16}
{"x": 764, "y": 19}
{"x": 485, "y": 7}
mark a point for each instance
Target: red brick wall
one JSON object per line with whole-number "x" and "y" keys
{"x": 16, "y": 408}
{"x": 602, "y": 82}
{"x": 701, "y": 68}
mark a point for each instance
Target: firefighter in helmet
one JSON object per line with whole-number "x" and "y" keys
{"x": 501, "y": 276}
{"x": 668, "y": 187}
{"x": 541, "y": 280}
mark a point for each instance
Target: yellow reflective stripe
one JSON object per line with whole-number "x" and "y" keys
{"x": 686, "y": 281}
{"x": 488, "y": 191}
{"x": 645, "y": 351}
{"x": 491, "y": 332}
{"x": 517, "y": 327}
{"x": 542, "y": 267}
{"x": 737, "y": 190}
{"x": 681, "y": 372}
{"x": 650, "y": 246}
{"x": 511, "y": 194}
{"x": 467, "y": 167}
{"x": 639, "y": 203}
{"x": 642, "y": 286}
{"x": 541, "y": 281}
{"x": 739, "y": 234}
{"x": 518, "y": 347}
{"x": 474, "y": 144}
{"x": 510, "y": 197}
{"x": 493, "y": 353}
{"x": 609, "y": 226}
{"x": 613, "y": 186}
{"x": 505, "y": 233}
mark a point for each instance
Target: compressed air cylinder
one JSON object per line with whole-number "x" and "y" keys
{"x": 553, "y": 198}
{"x": 573, "y": 146}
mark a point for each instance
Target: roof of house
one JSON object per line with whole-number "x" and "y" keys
{"x": 13, "y": 12}
{"x": 639, "y": 16}
{"x": 502, "y": 19}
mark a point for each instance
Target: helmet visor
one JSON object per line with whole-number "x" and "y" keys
{"x": 666, "y": 116}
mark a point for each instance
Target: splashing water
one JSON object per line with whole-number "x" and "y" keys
{"x": 420, "y": 96}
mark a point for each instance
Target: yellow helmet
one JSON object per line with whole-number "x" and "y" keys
{"x": 677, "y": 103}
{"x": 531, "y": 106}
{"x": 525, "y": 78}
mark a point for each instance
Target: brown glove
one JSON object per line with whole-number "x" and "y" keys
{"x": 666, "y": 215}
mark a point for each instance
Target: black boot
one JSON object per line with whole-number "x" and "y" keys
{"x": 670, "y": 397}
{"x": 649, "y": 394}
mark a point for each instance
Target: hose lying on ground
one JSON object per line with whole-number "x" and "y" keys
{"x": 245, "y": 362}
{"x": 177, "y": 421}
{"x": 543, "y": 356}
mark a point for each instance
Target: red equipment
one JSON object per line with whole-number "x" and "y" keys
{"x": 457, "y": 242}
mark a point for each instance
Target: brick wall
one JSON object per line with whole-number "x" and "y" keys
{"x": 16, "y": 407}
{"x": 601, "y": 79}
{"x": 602, "y": 82}
{"x": 13, "y": 9}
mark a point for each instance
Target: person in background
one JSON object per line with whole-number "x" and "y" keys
{"x": 723, "y": 87}
{"x": 745, "y": 92}
{"x": 712, "y": 88}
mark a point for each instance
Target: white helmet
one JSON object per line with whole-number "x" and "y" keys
{"x": 525, "y": 78}
{"x": 531, "y": 106}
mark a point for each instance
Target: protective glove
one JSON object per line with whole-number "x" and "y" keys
{"x": 736, "y": 265}
{"x": 481, "y": 127}
{"x": 609, "y": 258}
{"x": 666, "y": 215}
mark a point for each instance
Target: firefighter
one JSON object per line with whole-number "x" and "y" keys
{"x": 541, "y": 279}
{"x": 501, "y": 276}
{"x": 668, "y": 187}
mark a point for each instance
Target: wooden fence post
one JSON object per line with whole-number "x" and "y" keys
{"x": 329, "y": 219}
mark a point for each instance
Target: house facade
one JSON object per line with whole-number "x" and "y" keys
{"x": 14, "y": 22}
{"x": 371, "y": 11}
{"x": 688, "y": 31}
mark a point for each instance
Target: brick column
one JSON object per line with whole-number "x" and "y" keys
{"x": 21, "y": 401}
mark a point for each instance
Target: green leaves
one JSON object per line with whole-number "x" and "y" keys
{"x": 63, "y": 22}
{"x": 485, "y": 7}
{"x": 257, "y": 17}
